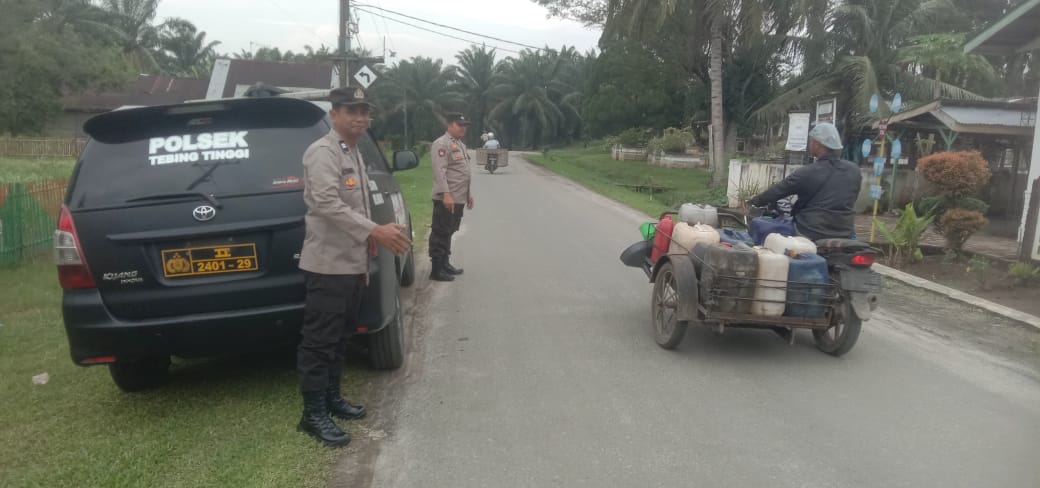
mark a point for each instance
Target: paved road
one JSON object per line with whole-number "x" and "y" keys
{"x": 537, "y": 369}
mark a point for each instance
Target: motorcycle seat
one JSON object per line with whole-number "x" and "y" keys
{"x": 847, "y": 245}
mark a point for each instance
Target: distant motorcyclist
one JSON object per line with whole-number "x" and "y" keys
{"x": 827, "y": 189}
{"x": 491, "y": 143}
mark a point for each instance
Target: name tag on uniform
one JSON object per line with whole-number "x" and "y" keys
{"x": 377, "y": 198}
{"x": 373, "y": 186}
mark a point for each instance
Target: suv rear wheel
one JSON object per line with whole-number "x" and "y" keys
{"x": 386, "y": 347}
{"x": 408, "y": 270}
{"x": 131, "y": 376}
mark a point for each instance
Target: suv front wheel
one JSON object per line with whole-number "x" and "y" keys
{"x": 131, "y": 376}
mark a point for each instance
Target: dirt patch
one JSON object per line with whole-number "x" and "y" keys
{"x": 999, "y": 288}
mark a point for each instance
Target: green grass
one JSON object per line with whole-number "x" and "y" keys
{"x": 22, "y": 170}
{"x": 416, "y": 185}
{"x": 227, "y": 421}
{"x": 593, "y": 168}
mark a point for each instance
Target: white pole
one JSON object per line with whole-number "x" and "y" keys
{"x": 1034, "y": 173}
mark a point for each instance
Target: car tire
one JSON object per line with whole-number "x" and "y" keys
{"x": 132, "y": 376}
{"x": 386, "y": 347}
{"x": 408, "y": 270}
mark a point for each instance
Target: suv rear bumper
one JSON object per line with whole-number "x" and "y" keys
{"x": 94, "y": 332}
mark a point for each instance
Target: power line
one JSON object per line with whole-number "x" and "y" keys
{"x": 436, "y": 32}
{"x": 453, "y": 28}
{"x": 291, "y": 17}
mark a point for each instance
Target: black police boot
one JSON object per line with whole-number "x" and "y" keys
{"x": 318, "y": 424}
{"x": 438, "y": 272}
{"x": 451, "y": 269}
{"x": 339, "y": 407}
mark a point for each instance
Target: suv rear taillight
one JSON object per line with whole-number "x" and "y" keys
{"x": 72, "y": 268}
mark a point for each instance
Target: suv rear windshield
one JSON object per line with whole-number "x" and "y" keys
{"x": 224, "y": 148}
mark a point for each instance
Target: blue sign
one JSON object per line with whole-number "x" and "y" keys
{"x": 897, "y": 149}
{"x": 873, "y": 103}
{"x": 875, "y": 192}
{"x": 867, "y": 144}
{"x": 897, "y": 103}
{"x": 879, "y": 166}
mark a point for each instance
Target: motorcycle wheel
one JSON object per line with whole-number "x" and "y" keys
{"x": 842, "y": 336}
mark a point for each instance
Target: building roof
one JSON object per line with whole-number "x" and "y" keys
{"x": 1018, "y": 31}
{"x": 972, "y": 117}
{"x": 145, "y": 90}
{"x": 231, "y": 77}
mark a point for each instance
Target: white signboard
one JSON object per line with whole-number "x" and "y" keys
{"x": 827, "y": 110}
{"x": 797, "y": 131}
{"x": 365, "y": 76}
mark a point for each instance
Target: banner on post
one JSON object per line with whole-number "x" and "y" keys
{"x": 797, "y": 131}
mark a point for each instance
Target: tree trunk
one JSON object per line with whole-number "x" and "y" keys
{"x": 718, "y": 130}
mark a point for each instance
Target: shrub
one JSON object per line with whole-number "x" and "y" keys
{"x": 671, "y": 141}
{"x": 958, "y": 172}
{"x": 979, "y": 266}
{"x": 906, "y": 236}
{"x": 1024, "y": 273}
{"x": 958, "y": 225}
{"x": 636, "y": 136}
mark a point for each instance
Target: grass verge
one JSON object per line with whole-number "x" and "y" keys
{"x": 416, "y": 185}
{"x": 227, "y": 421}
{"x": 23, "y": 170}
{"x": 593, "y": 168}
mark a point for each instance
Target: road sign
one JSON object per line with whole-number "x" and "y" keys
{"x": 882, "y": 127}
{"x": 897, "y": 103}
{"x": 875, "y": 192}
{"x": 879, "y": 166}
{"x": 873, "y": 103}
{"x": 867, "y": 144}
{"x": 365, "y": 76}
{"x": 897, "y": 149}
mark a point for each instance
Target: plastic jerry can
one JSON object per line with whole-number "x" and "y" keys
{"x": 735, "y": 237}
{"x": 788, "y": 245}
{"x": 685, "y": 236}
{"x": 807, "y": 280}
{"x": 699, "y": 214}
{"x": 729, "y": 275}
{"x": 771, "y": 287}
{"x": 763, "y": 226}
{"x": 662, "y": 238}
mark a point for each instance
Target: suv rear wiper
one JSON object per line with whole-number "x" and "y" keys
{"x": 169, "y": 196}
{"x": 205, "y": 175}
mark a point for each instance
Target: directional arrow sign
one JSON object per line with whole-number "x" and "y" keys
{"x": 365, "y": 76}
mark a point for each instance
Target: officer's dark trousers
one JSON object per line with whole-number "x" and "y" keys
{"x": 445, "y": 224}
{"x": 333, "y": 304}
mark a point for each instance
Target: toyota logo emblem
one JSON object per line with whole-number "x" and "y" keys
{"x": 204, "y": 213}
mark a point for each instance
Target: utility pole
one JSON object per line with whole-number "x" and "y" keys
{"x": 344, "y": 42}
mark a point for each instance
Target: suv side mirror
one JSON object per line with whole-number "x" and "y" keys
{"x": 405, "y": 160}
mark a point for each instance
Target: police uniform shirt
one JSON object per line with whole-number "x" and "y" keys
{"x": 338, "y": 217}
{"x": 450, "y": 169}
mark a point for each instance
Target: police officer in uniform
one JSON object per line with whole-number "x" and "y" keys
{"x": 451, "y": 194}
{"x": 335, "y": 262}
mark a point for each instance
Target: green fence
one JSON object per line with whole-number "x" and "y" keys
{"x": 27, "y": 218}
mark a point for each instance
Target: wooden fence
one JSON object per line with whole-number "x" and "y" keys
{"x": 40, "y": 148}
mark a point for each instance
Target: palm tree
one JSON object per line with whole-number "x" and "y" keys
{"x": 524, "y": 88}
{"x": 865, "y": 58}
{"x": 140, "y": 38}
{"x": 475, "y": 79}
{"x": 185, "y": 51}
{"x": 418, "y": 92}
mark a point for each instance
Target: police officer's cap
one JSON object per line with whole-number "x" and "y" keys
{"x": 456, "y": 118}
{"x": 348, "y": 97}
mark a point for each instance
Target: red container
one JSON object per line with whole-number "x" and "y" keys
{"x": 663, "y": 238}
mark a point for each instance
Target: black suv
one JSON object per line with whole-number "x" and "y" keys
{"x": 182, "y": 230}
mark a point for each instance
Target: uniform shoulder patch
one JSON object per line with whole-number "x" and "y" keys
{"x": 441, "y": 152}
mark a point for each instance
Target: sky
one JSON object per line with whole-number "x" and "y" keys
{"x": 292, "y": 24}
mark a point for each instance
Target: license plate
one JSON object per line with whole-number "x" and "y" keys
{"x": 209, "y": 260}
{"x": 868, "y": 281}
